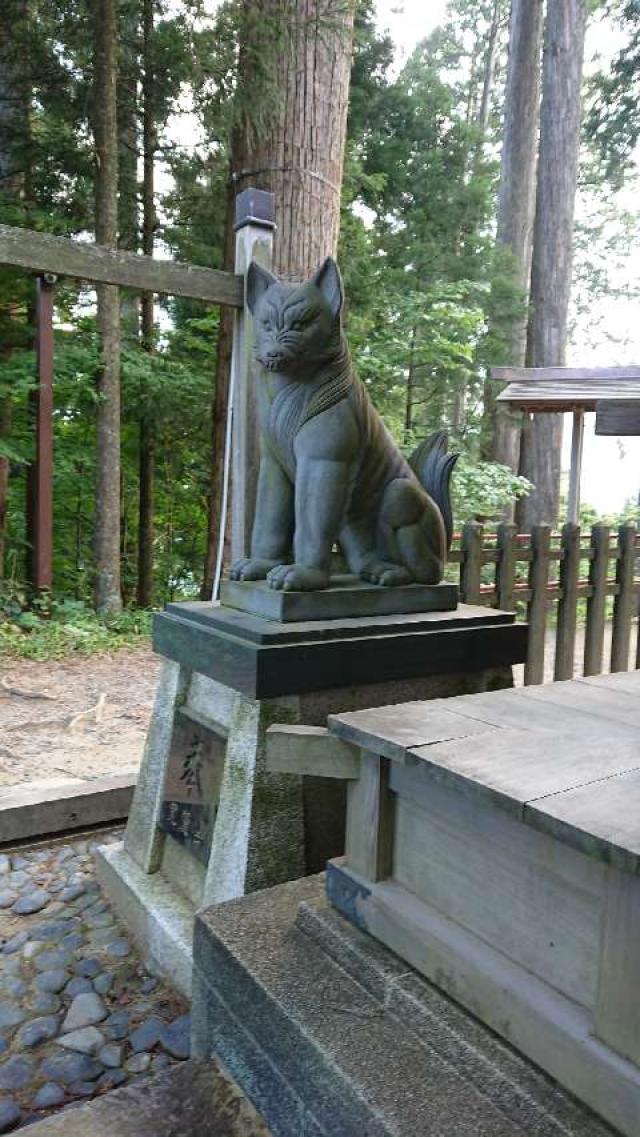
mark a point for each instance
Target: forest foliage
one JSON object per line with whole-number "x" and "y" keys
{"x": 417, "y": 249}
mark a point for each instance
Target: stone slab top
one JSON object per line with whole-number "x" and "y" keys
{"x": 257, "y": 629}
{"x": 347, "y": 597}
{"x": 563, "y": 758}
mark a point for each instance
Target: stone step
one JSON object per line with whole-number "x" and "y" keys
{"x": 334, "y": 1036}
{"x": 195, "y": 1098}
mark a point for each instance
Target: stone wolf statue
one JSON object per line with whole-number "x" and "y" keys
{"x": 329, "y": 470}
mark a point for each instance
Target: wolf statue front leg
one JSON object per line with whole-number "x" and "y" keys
{"x": 326, "y": 460}
{"x": 273, "y": 525}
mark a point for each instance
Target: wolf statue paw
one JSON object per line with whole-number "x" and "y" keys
{"x": 297, "y": 578}
{"x": 381, "y": 572}
{"x": 251, "y": 568}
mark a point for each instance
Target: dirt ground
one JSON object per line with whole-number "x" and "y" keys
{"x": 92, "y": 725}
{"x": 49, "y": 738}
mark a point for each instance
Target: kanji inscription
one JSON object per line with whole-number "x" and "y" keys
{"x": 192, "y": 785}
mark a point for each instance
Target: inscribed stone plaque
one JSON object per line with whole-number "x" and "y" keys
{"x": 192, "y": 785}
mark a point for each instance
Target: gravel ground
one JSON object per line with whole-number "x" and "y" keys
{"x": 65, "y": 734}
{"x": 80, "y": 1012}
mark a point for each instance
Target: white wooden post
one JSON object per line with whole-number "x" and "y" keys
{"x": 577, "y": 437}
{"x": 255, "y": 210}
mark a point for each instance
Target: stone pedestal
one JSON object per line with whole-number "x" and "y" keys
{"x": 208, "y": 822}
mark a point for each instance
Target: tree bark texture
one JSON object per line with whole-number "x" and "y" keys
{"x": 516, "y": 211}
{"x": 289, "y": 138}
{"x": 147, "y": 428}
{"x": 13, "y": 116}
{"x": 296, "y": 68}
{"x": 552, "y": 262}
{"x": 107, "y": 537}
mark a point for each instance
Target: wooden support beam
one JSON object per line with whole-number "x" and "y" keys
{"x": 577, "y": 440}
{"x": 42, "y": 561}
{"x": 311, "y": 750}
{"x": 41, "y": 253}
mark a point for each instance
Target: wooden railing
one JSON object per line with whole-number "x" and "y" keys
{"x": 557, "y": 578}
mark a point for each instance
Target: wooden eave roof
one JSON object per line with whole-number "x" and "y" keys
{"x": 566, "y": 388}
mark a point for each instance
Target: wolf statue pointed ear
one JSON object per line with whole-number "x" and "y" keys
{"x": 258, "y": 280}
{"x": 327, "y": 278}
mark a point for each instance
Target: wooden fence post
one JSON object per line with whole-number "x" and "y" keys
{"x": 42, "y": 556}
{"x": 623, "y": 605}
{"x": 538, "y": 604}
{"x": 471, "y": 569}
{"x": 506, "y": 567}
{"x": 568, "y": 602}
{"x": 597, "y": 601}
{"x": 255, "y": 211}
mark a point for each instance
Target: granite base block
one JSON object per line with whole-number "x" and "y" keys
{"x": 346, "y": 598}
{"x": 301, "y": 1004}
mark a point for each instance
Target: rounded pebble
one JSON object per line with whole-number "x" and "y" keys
{"x": 70, "y": 1067}
{"x": 87, "y": 967}
{"x": 176, "y": 1038}
{"x": 5, "y": 864}
{"x": 11, "y": 1015}
{"x": 53, "y": 960}
{"x": 147, "y": 1035}
{"x": 37, "y": 1031}
{"x": 52, "y": 981}
{"x": 72, "y": 892}
{"x": 49, "y": 1095}
{"x": 85, "y": 1010}
{"x": 110, "y": 1080}
{"x": 81, "y": 1089}
{"x": 103, "y": 983}
{"x": 86, "y": 1041}
{"x": 33, "y": 902}
{"x": 44, "y": 1003}
{"x": 111, "y": 1055}
{"x": 7, "y": 898}
{"x": 118, "y": 1025}
{"x": 138, "y": 1063}
{"x": 16, "y": 1073}
{"x": 78, "y": 986}
{"x": 119, "y": 948}
{"x": 15, "y": 943}
{"x": 15, "y": 986}
{"x": 10, "y": 1116}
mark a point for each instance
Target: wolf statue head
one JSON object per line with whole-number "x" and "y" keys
{"x": 297, "y": 326}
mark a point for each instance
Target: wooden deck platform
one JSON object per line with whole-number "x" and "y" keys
{"x": 493, "y": 842}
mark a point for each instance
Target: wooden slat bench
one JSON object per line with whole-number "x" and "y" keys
{"x": 493, "y": 842}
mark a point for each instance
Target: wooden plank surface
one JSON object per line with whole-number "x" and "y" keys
{"x": 512, "y": 767}
{"x": 392, "y": 731}
{"x": 628, "y": 681}
{"x": 515, "y": 709}
{"x": 616, "y": 705}
{"x": 602, "y": 819}
{"x": 40, "y": 252}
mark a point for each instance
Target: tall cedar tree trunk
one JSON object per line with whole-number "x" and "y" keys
{"x": 295, "y": 65}
{"x": 516, "y": 212}
{"x": 561, "y": 115}
{"x": 107, "y": 538}
{"x": 147, "y": 426}
{"x": 14, "y": 117}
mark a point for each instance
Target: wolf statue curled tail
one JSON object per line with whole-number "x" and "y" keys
{"x": 330, "y": 473}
